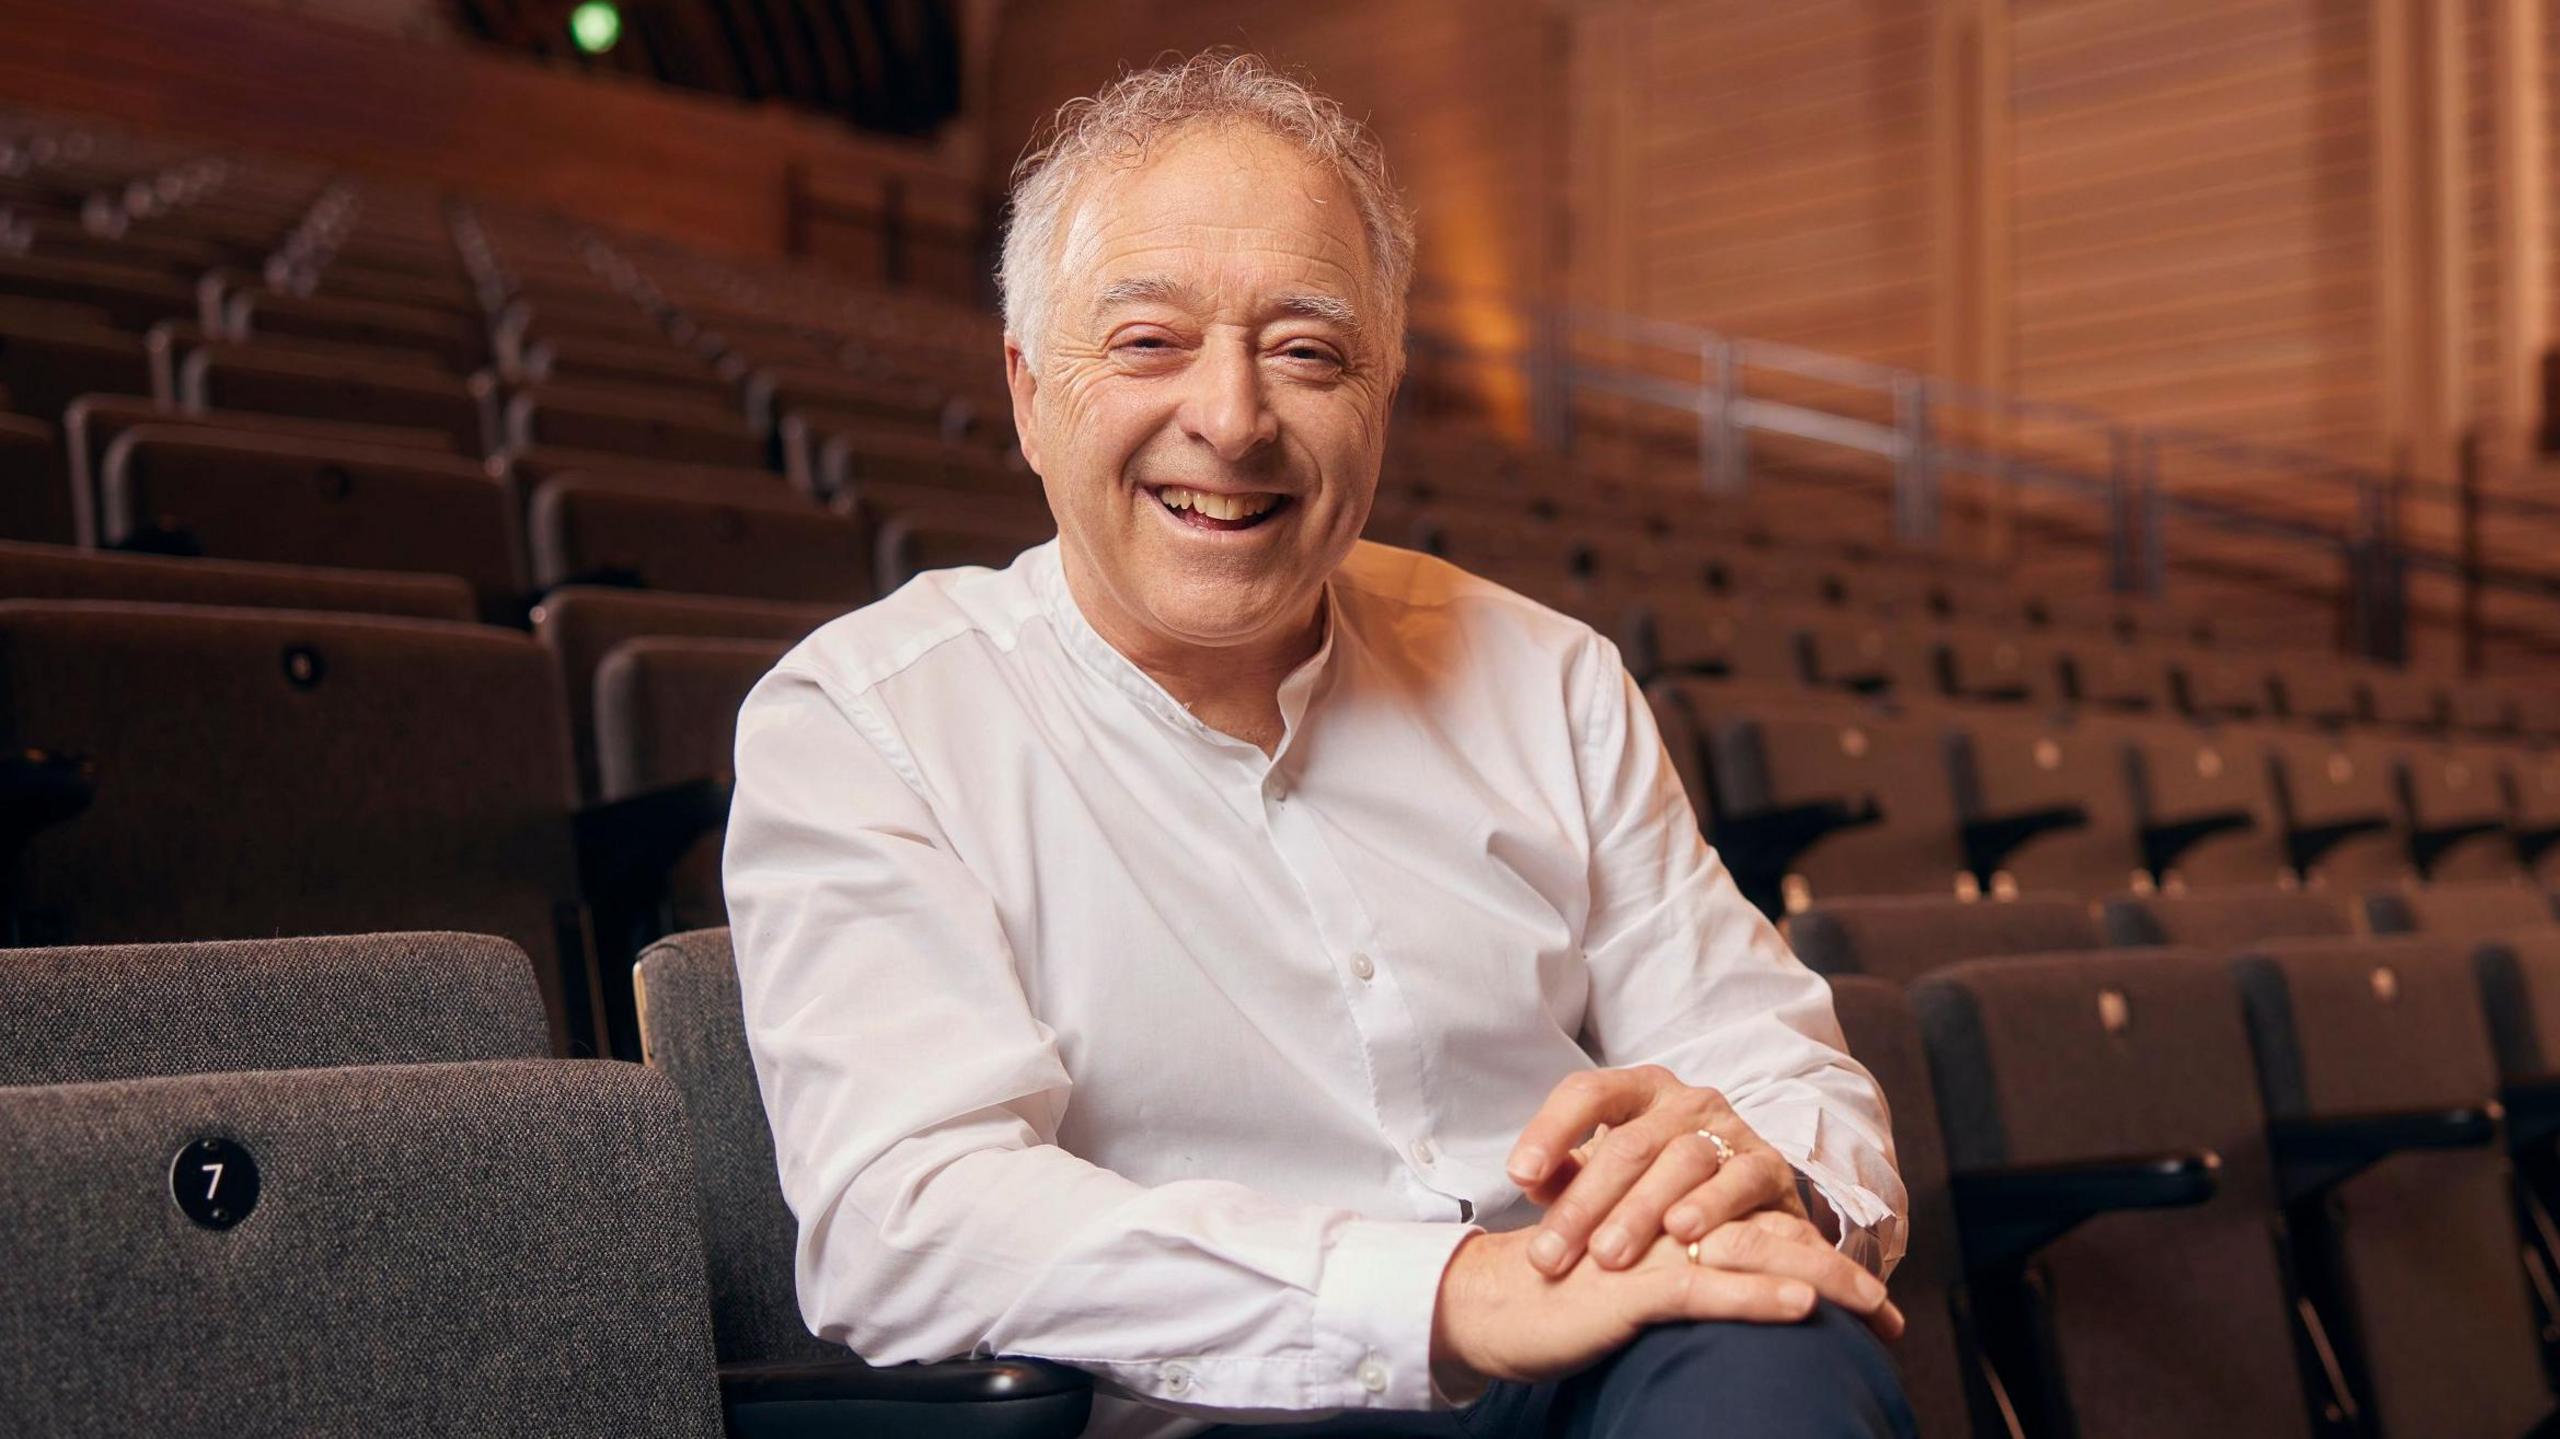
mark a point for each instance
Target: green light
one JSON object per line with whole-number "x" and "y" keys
{"x": 595, "y": 26}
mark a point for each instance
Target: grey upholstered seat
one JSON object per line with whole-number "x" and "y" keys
{"x": 2086, "y": 1058}
{"x": 2418, "y": 1248}
{"x": 694, "y": 1031}
{"x": 418, "y": 1261}
{"x": 84, "y": 1013}
{"x": 2343, "y": 819}
{"x": 667, "y": 712}
{"x": 581, "y": 624}
{"x": 1935, "y": 1351}
{"x": 59, "y": 572}
{"x": 2060, "y": 793}
{"x": 261, "y": 772}
{"x": 293, "y": 501}
{"x": 1900, "y": 938}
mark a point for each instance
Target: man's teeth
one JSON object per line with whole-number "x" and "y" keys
{"x": 1217, "y": 507}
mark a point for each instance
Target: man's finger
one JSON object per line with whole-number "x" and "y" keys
{"x": 1796, "y": 1251}
{"x": 1610, "y": 1168}
{"x": 1698, "y": 1291}
{"x": 1756, "y": 1179}
{"x": 1686, "y": 1161}
{"x": 1583, "y": 1101}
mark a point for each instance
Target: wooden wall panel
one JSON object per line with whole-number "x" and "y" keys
{"x": 693, "y": 168}
{"x": 2195, "y": 230}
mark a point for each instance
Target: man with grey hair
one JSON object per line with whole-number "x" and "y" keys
{"x": 1275, "y": 973}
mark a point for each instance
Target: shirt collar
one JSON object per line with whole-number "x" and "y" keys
{"x": 1098, "y": 658}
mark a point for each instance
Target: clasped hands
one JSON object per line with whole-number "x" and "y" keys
{"x": 1612, "y": 1254}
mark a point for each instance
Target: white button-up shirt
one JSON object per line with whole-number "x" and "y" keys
{"x": 1090, "y": 1033}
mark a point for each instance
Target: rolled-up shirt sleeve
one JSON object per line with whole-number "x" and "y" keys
{"x": 915, "y": 1100}
{"x": 1687, "y": 974}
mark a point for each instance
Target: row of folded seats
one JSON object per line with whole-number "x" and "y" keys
{"x": 2242, "y": 1163}
{"x": 1810, "y": 795}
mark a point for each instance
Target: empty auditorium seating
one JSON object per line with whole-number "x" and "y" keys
{"x": 2223, "y": 920}
{"x": 2464, "y": 911}
{"x": 1852, "y": 805}
{"x": 666, "y": 712}
{"x": 2341, "y": 818}
{"x": 47, "y": 359}
{"x": 408, "y": 775}
{"x": 624, "y": 422}
{"x": 696, "y": 1035}
{"x": 384, "y": 1250}
{"x": 910, "y": 540}
{"x": 88, "y": 1013}
{"x": 95, "y": 422}
{"x": 199, "y": 491}
{"x": 2045, "y": 807}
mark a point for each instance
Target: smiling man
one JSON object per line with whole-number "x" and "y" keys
{"x": 1276, "y": 973}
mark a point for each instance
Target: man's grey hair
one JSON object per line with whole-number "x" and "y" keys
{"x": 1116, "y": 128}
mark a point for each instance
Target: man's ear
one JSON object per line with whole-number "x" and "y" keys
{"x": 1023, "y": 383}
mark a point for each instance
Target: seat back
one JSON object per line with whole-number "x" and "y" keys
{"x": 2419, "y": 1250}
{"x": 2520, "y": 989}
{"x": 419, "y": 1258}
{"x": 2323, "y": 784}
{"x": 693, "y": 1030}
{"x": 2461, "y": 911}
{"x": 2454, "y": 803}
{"x": 55, "y": 572}
{"x": 282, "y": 382}
{"x": 650, "y": 425}
{"x": 1769, "y": 761}
{"x": 667, "y": 711}
{"x": 2076, "y": 1058}
{"x": 2226, "y": 919}
{"x": 1901, "y": 938}
{"x": 2184, "y": 775}
{"x": 1935, "y": 1350}
{"x": 35, "y": 498}
{"x": 293, "y": 501}
{"x": 260, "y": 772}
{"x": 581, "y": 624}
{"x": 2009, "y": 771}
{"x": 754, "y": 545}
{"x": 89, "y": 1013}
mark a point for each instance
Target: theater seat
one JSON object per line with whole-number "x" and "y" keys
{"x": 2376, "y": 1069}
{"x": 1940, "y": 1372}
{"x": 185, "y": 772}
{"x": 666, "y": 713}
{"x": 2223, "y": 920}
{"x": 2153, "y": 1302}
{"x": 765, "y": 545}
{"x": 197, "y": 491}
{"x": 1899, "y": 938}
{"x": 281, "y": 381}
{"x": 35, "y": 494}
{"x": 57, "y": 572}
{"x": 86, "y": 1013}
{"x": 1825, "y": 807}
{"x": 2461, "y": 911}
{"x": 428, "y": 1252}
{"x": 771, "y": 1366}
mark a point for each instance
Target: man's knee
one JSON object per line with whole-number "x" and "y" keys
{"x": 1826, "y": 1378}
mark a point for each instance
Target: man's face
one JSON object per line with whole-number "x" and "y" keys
{"x": 1211, "y": 399}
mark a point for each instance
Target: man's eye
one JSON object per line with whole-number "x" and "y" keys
{"x": 1312, "y": 352}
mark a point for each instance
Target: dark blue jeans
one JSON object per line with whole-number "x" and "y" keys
{"x": 1826, "y": 1378}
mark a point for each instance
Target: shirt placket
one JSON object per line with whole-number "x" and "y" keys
{"x": 1389, "y": 1037}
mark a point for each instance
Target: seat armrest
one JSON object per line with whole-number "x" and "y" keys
{"x": 627, "y": 848}
{"x": 1761, "y": 847}
{"x": 2426, "y": 846}
{"x": 2004, "y": 1215}
{"x": 1991, "y": 839}
{"x": 2307, "y": 847}
{"x": 2313, "y": 1156}
{"x": 2533, "y": 1112}
{"x": 2533, "y": 844}
{"x": 2163, "y": 844}
{"x": 954, "y": 1399}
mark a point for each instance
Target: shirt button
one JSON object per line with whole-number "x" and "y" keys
{"x": 1373, "y": 1375}
{"x": 1277, "y": 788}
{"x": 1177, "y": 1379}
{"x": 1361, "y": 966}
{"x": 1423, "y": 1153}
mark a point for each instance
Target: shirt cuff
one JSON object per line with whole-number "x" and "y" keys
{"x": 1374, "y": 1307}
{"x": 1870, "y": 1230}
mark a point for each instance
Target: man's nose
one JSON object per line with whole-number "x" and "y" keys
{"x": 1225, "y": 407}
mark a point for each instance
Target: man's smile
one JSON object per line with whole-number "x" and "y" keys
{"x": 1213, "y": 510}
